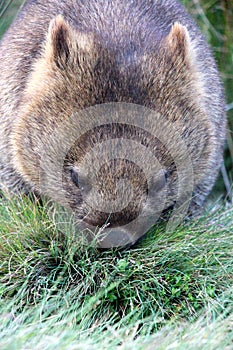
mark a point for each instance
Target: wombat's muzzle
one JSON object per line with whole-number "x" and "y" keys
{"x": 108, "y": 237}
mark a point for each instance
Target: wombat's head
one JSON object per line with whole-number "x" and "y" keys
{"x": 139, "y": 152}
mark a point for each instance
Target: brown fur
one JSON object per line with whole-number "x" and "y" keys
{"x": 61, "y": 57}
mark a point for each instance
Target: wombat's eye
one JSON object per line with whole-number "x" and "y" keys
{"x": 74, "y": 177}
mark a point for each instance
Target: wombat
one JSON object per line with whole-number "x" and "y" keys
{"x": 62, "y": 57}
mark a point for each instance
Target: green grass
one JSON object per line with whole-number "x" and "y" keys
{"x": 8, "y": 9}
{"x": 167, "y": 292}
{"x": 58, "y": 293}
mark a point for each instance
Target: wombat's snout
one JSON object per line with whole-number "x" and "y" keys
{"x": 120, "y": 204}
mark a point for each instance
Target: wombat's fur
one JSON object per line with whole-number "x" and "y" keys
{"x": 63, "y": 56}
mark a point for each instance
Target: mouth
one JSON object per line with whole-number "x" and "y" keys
{"x": 107, "y": 237}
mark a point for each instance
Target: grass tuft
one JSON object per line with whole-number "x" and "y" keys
{"x": 48, "y": 278}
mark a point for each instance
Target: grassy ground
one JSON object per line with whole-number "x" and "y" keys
{"x": 58, "y": 293}
{"x": 168, "y": 292}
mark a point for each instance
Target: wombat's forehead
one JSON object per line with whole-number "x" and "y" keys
{"x": 114, "y": 135}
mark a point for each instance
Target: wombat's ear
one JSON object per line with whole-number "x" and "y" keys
{"x": 182, "y": 51}
{"x": 61, "y": 41}
{"x": 178, "y": 41}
